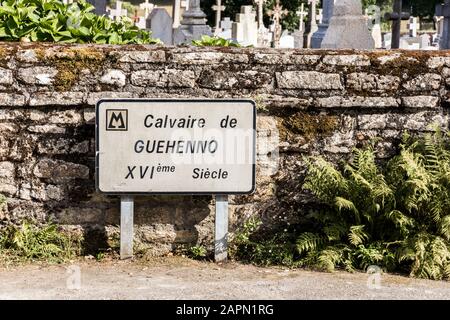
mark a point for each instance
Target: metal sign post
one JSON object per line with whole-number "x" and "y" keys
{"x": 126, "y": 227}
{"x": 221, "y": 229}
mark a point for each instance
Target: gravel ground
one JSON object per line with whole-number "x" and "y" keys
{"x": 179, "y": 278}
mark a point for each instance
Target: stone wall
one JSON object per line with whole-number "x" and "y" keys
{"x": 315, "y": 102}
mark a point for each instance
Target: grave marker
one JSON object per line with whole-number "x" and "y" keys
{"x": 396, "y": 17}
{"x": 160, "y": 23}
{"x": 245, "y": 28}
{"x": 218, "y": 8}
{"x": 348, "y": 28}
{"x": 443, "y": 10}
{"x": 277, "y": 14}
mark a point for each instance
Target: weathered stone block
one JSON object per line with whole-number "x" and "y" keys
{"x": 420, "y": 102}
{"x": 179, "y": 78}
{"x": 60, "y": 171}
{"x": 438, "y": 62}
{"x": 57, "y": 98}
{"x": 9, "y": 127}
{"x": 65, "y": 117}
{"x": 351, "y": 60}
{"x": 7, "y": 169}
{"x": 357, "y": 102}
{"x": 46, "y": 128}
{"x": 114, "y": 77}
{"x": 309, "y": 80}
{"x": 425, "y": 82}
{"x": 6, "y": 77}
{"x": 208, "y": 57}
{"x": 12, "y": 99}
{"x": 38, "y": 75}
{"x": 94, "y": 97}
{"x": 153, "y": 56}
{"x": 289, "y": 59}
{"x": 215, "y": 79}
{"x": 372, "y": 82}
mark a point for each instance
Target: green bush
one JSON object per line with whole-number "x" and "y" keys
{"x": 207, "y": 41}
{"x": 197, "y": 252}
{"x": 30, "y": 242}
{"x": 395, "y": 215}
{"x": 277, "y": 250}
{"x": 53, "y": 21}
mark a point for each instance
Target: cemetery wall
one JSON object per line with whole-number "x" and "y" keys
{"x": 314, "y": 102}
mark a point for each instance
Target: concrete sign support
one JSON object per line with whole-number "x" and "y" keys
{"x": 221, "y": 226}
{"x": 126, "y": 227}
{"x": 181, "y": 147}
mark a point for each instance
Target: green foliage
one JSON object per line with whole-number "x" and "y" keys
{"x": 207, "y": 41}
{"x": 395, "y": 215}
{"x": 30, "y": 242}
{"x": 278, "y": 250}
{"x": 53, "y": 21}
{"x": 197, "y": 252}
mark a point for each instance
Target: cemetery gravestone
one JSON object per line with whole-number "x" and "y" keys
{"x": 277, "y": 13}
{"x": 218, "y": 8}
{"x": 245, "y": 29}
{"x": 298, "y": 34}
{"x": 226, "y": 24}
{"x": 311, "y": 25}
{"x": 396, "y": 17}
{"x": 373, "y": 14}
{"x": 348, "y": 28}
{"x": 147, "y": 7}
{"x": 193, "y": 26}
{"x": 317, "y": 37}
{"x": 160, "y": 23}
{"x": 412, "y": 26}
{"x": 443, "y": 10}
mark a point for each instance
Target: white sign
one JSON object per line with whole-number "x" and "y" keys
{"x": 175, "y": 146}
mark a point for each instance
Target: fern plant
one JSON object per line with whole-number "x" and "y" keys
{"x": 396, "y": 215}
{"x": 31, "y": 242}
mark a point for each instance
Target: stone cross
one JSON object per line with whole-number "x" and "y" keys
{"x": 443, "y": 10}
{"x": 147, "y": 7}
{"x": 218, "y": 8}
{"x": 260, "y": 4}
{"x": 277, "y": 14}
{"x": 176, "y": 11}
{"x": 302, "y": 14}
{"x": 396, "y": 17}
{"x": 118, "y": 12}
{"x": 412, "y": 25}
{"x": 311, "y": 25}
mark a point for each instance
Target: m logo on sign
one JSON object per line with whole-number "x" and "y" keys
{"x": 116, "y": 120}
